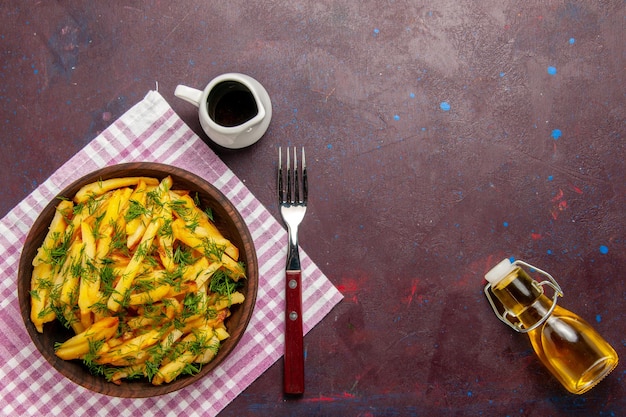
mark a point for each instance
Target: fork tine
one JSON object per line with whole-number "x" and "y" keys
{"x": 305, "y": 187}
{"x": 281, "y": 193}
{"x": 289, "y": 179}
{"x": 296, "y": 182}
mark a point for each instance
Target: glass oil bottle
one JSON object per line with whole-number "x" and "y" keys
{"x": 566, "y": 344}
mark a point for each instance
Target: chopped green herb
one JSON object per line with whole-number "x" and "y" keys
{"x": 183, "y": 256}
{"x": 222, "y": 284}
{"x": 179, "y": 207}
{"x": 135, "y": 209}
{"x": 209, "y": 213}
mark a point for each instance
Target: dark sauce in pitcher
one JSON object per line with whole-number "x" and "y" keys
{"x": 231, "y": 103}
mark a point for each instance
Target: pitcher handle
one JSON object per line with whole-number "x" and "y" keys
{"x": 190, "y": 95}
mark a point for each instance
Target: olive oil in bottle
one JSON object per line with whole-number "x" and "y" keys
{"x": 566, "y": 344}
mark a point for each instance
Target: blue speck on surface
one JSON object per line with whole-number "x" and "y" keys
{"x": 329, "y": 146}
{"x": 604, "y": 249}
{"x": 505, "y": 224}
{"x": 376, "y": 31}
{"x": 550, "y": 177}
{"x": 572, "y": 41}
{"x": 396, "y": 117}
{"x": 556, "y": 134}
{"x": 412, "y": 95}
{"x": 552, "y": 70}
{"x": 598, "y": 318}
{"x": 445, "y": 106}
{"x": 502, "y": 74}
{"x": 549, "y": 252}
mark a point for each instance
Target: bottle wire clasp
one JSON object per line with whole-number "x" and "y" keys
{"x": 504, "y": 315}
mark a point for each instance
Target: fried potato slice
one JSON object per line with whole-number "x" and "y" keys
{"x": 208, "y": 246}
{"x": 197, "y": 343}
{"x": 78, "y": 346}
{"x": 98, "y": 188}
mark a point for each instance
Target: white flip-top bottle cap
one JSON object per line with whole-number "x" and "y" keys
{"x": 499, "y": 271}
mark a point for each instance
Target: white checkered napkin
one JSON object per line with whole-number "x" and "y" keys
{"x": 151, "y": 131}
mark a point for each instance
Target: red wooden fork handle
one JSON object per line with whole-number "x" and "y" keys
{"x": 294, "y": 350}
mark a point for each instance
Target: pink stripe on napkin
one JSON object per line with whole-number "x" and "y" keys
{"x": 151, "y": 131}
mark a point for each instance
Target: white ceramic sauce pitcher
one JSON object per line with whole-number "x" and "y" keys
{"x": 234, "y": 109}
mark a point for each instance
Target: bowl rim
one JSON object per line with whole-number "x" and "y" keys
{"x": 138, "y": 388}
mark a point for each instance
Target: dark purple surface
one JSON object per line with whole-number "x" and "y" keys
{"x": 440, "y": 139}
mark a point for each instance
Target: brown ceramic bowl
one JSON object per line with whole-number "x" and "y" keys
{"x": 229, "y": 222}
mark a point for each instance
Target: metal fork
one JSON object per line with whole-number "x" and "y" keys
{"x": 292, "y": 199}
